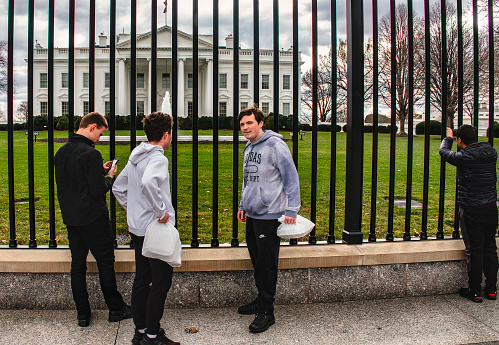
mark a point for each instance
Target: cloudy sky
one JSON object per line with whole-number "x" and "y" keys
{"x": 185, "y": 24}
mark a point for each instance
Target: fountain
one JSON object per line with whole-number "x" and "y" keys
{"x": 166, "y": 105}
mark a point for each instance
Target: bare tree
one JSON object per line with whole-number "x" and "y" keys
{"x": 402, "y": 66}
{"x": 22, "y": 110}
{"x": 3, "y": 67}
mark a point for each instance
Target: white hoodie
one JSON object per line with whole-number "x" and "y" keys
{"x": 143, "y": 188}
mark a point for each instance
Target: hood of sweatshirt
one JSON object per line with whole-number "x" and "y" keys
{"x": 143, "y": 151}
{"x": 267, "y": 134}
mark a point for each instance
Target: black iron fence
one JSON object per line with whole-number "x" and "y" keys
{"x": 411, "y": 59}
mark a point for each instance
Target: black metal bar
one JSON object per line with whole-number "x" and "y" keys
{"x": 491, "y": 72}
{"x": 235, "y": 132}
{"x": 408, "y": 195}
{"x": 50, "y": 143}
{"x": 312, "y": 239}
{"x": 174, "y": 88}
{"x": 112, "y": 104}
{"x": 91, "y": 58}
{"x": 214, "y": 236}
{"x": 374, "y": 165}
{"x": 71, "y": 67}
{"x": 441, "y": 205}
{"x": 393, "y": 118}
{"x": 476, "y": 67}
{"x": 133, "y": 75}
{"x": 154, "y": 54}
{"x": 426, "y": 169}
{"x": 276, "y": 77}
{"x": 10, "y": 115}
{"x": 256, "y": 52}
{"x": 355, "y": 119}
{"x": 195, "y": 110}
{"x": 31, "y": 162}
{"x": 332, "y": 169}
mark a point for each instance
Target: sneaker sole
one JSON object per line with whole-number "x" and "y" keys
{"x": 263, "y": 329}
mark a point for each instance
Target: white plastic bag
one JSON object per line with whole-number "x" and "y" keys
{"x": 162, "y": 242}
{"x": 302, "y": 227}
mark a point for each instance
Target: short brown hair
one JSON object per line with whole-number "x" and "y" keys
{"x": 91, "y": 118}
{"x": 259, "y": 117}
{"x": 157, "y": 124}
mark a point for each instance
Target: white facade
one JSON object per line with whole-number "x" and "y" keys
{"x": 163, "y": 74}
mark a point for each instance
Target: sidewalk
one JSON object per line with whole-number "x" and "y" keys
{"x": 447, "y": 319}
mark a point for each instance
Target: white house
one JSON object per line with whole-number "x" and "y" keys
{"x": 163, "y": 74}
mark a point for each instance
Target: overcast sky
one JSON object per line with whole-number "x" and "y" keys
{"x": 185, "y": 24}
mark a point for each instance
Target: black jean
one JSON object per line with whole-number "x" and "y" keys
{"x": 263, "y": 246}
{"x": 98, "y": 238}
{"x": 153, "y": 279}
{"x": 480, "y": 242}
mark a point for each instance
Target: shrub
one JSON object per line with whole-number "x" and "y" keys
{"x": 225, "y": 122}
{"x": 345, "y": 128}
{"x": 324, "y": 127}
{"x": 40, "y": 122}
{"x": 435, "y": 127}
{"x": 305, "y": 127}
{"x": 368, "y": 129}
{"x": 269, "y": 122}
{"x": 496, "y": 130}
{"x": 62, "y": 123}
{"x": 185, "y": 123}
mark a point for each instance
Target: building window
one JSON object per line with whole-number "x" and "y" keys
{"x": 43, "y": 80}
{"x": 64, "y": 80}
{"x": 86, "y": 107}
{"x": 165, "y": 81}
{"x": 107, "y": 80}
{"x": 189, "y": 80}
{"x": 244, "y": 105}
{"x": 85, "y": 80}
{"x": 65, "y": 108}
{"x": 244, "y": 81}
{"x": 265, "y": 81}
{"x": 286, "y": 82}
{"x": 265, "y": 108}
{"x": 222, "y": 109}
{"x": 107, "y": 108}
{"x": 44, "y": 108}
{"x": 140, "y": 80}
{"x": 286, "y": 109}
{"x": 190, "y": 109}
{"x": 223, "y": 80}
{"x": 140, "y": 108}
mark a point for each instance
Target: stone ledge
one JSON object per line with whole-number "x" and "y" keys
{"x": 237, "y": 258}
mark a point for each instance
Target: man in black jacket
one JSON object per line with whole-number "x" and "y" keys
{"x": 476, "y": 197}
{"x": 82, "y": 184}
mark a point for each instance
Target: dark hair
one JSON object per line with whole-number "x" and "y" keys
{"x": 467, "y": 134}
{"x": 93, "y": 118}
{"x": 157, "y": 124}
{"x": 259, "y": 117}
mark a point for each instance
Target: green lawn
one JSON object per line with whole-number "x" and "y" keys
{"x": 184, "y": 167}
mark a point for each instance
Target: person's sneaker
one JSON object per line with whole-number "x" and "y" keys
{"x": 137, "y": 337}
{"x": 490, "y": 293}
{"x": 472, "y": 296}
{"x": 249, "y": 309}
{"x": 83, "y": 320}
{"x": 118, "y": 315}
{"x": 160, "y": 339}
{"x": 262, "y": 322}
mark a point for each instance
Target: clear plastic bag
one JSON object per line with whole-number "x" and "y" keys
{"x": 302, "y": 227}
{"x": 162, "y": 242}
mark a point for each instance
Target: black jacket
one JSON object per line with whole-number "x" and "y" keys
{"x": 81, "y": 181}
{"x": 476, "y": 173}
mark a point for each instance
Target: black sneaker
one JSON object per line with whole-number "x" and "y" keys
{"x": 137, "y": 337}
{"x": 262, "y": 322}
{"x": 490, "y": 293}
{"x": 160, "y": 339}
{"x": 83, "y": 320}
{"x": 472, "y": 296}
{"x": 118, "y": 315}
{"x": 249, "y": 309}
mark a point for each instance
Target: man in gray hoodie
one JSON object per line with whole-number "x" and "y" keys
{"x": 271, "y": 188}
{"x": 143, "y": 189}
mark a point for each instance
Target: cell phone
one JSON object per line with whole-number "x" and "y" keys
{"x": 115, "y": 161}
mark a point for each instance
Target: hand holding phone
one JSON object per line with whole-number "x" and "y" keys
{"x": 115, "y": 161}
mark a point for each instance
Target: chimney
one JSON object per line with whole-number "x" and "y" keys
{"x": 102, "y": 40}
{"x": 229, "y": 42}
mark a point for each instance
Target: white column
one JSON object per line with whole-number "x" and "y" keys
{"x": 149, "y": 88}
{"x": 123, "y": 88}
{"x": 181, "y": 88}
{"x": 208, "y": 89}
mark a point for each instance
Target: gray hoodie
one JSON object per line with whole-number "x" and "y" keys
{"x": 143, "y": 188}
{"x": 271, "y": 186}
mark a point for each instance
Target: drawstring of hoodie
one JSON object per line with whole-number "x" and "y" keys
{"x": 246, "y": 164}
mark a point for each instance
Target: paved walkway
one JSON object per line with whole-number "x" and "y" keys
{"x": 447, "y": 319}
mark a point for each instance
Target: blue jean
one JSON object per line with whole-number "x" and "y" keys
{"x": 96, "y": 237}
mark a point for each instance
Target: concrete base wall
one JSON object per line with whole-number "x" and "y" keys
{"x": 232, "y": 288}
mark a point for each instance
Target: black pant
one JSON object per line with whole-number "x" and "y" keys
{"x": 263, "y": 246}
{"x": 96, "y": 236}
{"x": 148, "y": 300}
{"x": 478, "y": 227}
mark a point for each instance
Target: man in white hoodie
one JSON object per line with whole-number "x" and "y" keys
{"x": 143, "y": 189}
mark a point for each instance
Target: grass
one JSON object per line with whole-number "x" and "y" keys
{"x": 205, "y": 191}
